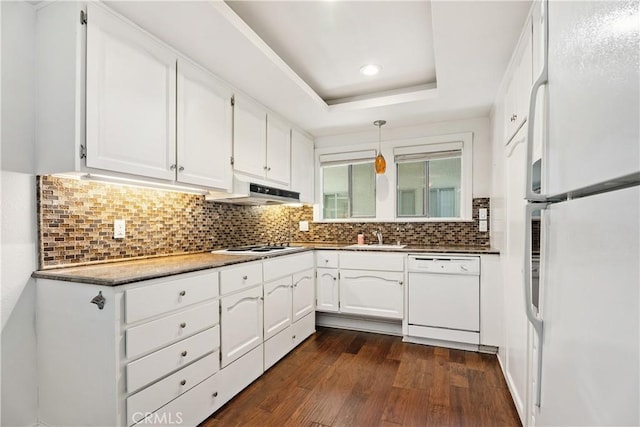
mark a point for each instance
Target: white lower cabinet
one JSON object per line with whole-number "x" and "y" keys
{"x": 368, "y": 293}
{"x": 327, "y": 290}
{"x": 277, "y": 306}
{"x": 303, "y": 294}
{"x": 278, "y": 346}
{"x": 241, "y": 320}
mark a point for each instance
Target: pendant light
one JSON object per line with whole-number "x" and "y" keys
{"x": 381, "y": 163}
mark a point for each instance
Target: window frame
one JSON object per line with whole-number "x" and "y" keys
{"x": 349, "y": 165}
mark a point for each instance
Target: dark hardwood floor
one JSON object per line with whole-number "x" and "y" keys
{"x": 349, "y": 378}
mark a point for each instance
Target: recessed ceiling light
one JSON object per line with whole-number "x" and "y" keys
{"x": 370, "y": 69}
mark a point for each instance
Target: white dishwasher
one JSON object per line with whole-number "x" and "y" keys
{"x": 444, "y": 298}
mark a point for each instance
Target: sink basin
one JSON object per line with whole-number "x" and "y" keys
{"x": 381, "y": 247}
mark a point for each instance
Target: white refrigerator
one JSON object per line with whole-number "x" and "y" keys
{"x": 585, "y": 352}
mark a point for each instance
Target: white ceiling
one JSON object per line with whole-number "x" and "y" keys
{"x": 472, "y": 45}
{"x": 326, "y": 42}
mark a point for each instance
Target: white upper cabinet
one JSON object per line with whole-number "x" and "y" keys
{"x": 516, "y": 101}
{"x": 278, "y": 166}
{"x": 302, "y": 166}
{"x": 261, "y": 143}
{"x": 131, "y": 99}
{"x": 204, "y": 128}
{"x": 249, "y": 137}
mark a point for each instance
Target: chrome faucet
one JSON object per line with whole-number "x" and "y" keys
{"x": 378, "y": 234}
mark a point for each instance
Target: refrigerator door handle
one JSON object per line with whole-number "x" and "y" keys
{"x": 542, "y": 80}
{"x": 537, "y": 324}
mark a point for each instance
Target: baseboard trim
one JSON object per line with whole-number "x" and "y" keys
{"x": 355, "y": 323}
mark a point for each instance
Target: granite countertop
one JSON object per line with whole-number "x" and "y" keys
{"x": 123, "y": 272}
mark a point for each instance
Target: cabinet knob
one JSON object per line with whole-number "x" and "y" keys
{"x": 326, "y": 261}
{"x": 183, "y": 293}
{"x": 335, "y": 278}
{"x": 400, "y": 282}
{"x": 183, "y": 382}
{"x": 215, "y": 394}
{"x": 268, "y": 169}
{"x": 172, "y": 167}
{"x": 183, "y": 325}
{"x": 181, "y": 168}
{"x": 293, "y": 337}
{"x": 184, "y": 353}
{"x": 245, "y": 277}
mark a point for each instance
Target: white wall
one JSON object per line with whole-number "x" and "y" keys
{"x": 482, "y": 148}
{"x": 18, "y": 224}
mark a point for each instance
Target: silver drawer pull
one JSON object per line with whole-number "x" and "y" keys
{"x": 215, "y": 394}
{"x": 294, "y": 337}
{"x": 400, "y": 282}
{"x": 183, "y": 325}
{"x": 183, "y": 293}
{"x": 245, "y": 277}
{"x": 183, "y": 382}
{"x": 184, "y": 353}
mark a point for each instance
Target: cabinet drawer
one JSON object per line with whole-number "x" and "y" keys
{"x": 327, "y": 259}
{"x": 184, "y": 290}
{"x": 372, "y": 261}
{"x": 304, "y": 328}
{"x": 286, "y": 265}
{"x": 197, "y": 404}
{"x": 164, "y": 391}
{"x": 155, "y": 334}
{"x": 191, "y": 408}
{"x": 149, "y": 368}
{"x": 240, "y": 277}
{"x": 276, "y": 347}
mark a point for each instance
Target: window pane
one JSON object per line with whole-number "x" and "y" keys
{"x": 445, "y": 176}
{"x": 363, "y": 190}
{"x": 412, "y": 182}
{"x": 335, "y": 187}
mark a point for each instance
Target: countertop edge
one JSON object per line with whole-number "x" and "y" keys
{"x": 59, "y": 273}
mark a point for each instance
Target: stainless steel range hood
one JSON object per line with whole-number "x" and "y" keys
{"x": 249, "y": 193}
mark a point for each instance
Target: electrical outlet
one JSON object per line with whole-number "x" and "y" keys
{"x": 482, "y": 213}
{"x": 304, "y": 226}
{"x": 119, "y": 229}
{"x": 482, "y": 226}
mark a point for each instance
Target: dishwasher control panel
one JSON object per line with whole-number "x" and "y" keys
{"x": 444, "y": 264}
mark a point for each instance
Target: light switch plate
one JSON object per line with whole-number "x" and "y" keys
{"x": 482, "y": 226}
{"x": 119, "y": 229}
{"x": 482, "y": 213}
{"x": 304, "y": 225}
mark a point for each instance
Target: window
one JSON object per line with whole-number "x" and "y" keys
{"x": 348, "y": 189}
{"x": 429, "y": 184}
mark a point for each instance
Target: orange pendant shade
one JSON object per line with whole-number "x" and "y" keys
{"x": 380, "y": 164}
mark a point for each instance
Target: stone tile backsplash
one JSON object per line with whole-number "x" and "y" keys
{"x": 75, "y": 221}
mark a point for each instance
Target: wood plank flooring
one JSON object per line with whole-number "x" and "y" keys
{"x": 349, "y": 378}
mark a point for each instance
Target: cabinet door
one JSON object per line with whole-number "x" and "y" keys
{"x": 278, "y": 151}
{"x": 327, "y": 290}
{"x": 525, "y": 77}
{"x": 515, "y": 321}
{"x": 131, "y": 99}
{"x": 372, "y": 293}
{"x": 204, "y": 128}
{"x": 303, "y": 294}
{"x": 302, "y": 166}
{"x": 240, "y": 324}
{"x": 249, "y": 140}
{"x": 277, "y": 306}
